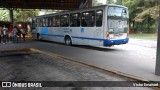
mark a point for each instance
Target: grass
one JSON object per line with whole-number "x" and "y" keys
{"x": 144, "y": 36}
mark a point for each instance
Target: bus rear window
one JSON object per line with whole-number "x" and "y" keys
{"x": 117, "y": 12}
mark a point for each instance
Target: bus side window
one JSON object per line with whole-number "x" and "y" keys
{"x": 99, "y": 18}
{"x": 34, "y": 23}
{"x": 40, "y": 23}
{"x": 47, "y": 20}
{"x": 43, "y": 22}
{"x": 50, "y": 21}
{"x": 75, "y": 19}
{"x": 83, "y": 22}
{"x": 88, "y": 19}
{"x": 124, "y": 12}
{"x": 64, "y": 20}
{"x": 55, "y": 21}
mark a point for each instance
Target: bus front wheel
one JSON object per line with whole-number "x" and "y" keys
{"x": 68, "y": 41}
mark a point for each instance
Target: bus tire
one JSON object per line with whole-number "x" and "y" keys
{"x": 68, "y": 41}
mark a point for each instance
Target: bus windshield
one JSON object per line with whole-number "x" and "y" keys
{"x": 117, "y": 20}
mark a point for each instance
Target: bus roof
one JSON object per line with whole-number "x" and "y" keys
{"x": 72, "y": 11}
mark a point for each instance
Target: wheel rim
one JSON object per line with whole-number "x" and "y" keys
{"x": 68, "y": 41}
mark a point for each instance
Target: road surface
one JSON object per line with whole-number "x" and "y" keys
{"x": 31, "y": 66}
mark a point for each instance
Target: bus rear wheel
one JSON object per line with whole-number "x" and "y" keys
{"x": 68, "y": 41}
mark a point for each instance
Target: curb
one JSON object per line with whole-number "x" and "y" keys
{"x": 16, "y": 50}
{"x": 125, "y": 75}
{"x": 78, "y": 61}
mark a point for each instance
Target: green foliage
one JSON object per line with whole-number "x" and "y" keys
{"x": 23, "y": 15}
{"x": 4, "y": 15}
{"x": 96, "y": 3}
{"x": 143, "y": 14}
{"x": 152, "y": 12}
{"x": 19, "y": 15}
{"x": 144, "y": 36}
{"x": 110, "y": 1}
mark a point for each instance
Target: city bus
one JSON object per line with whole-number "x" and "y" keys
{"x": 105, "y": 25}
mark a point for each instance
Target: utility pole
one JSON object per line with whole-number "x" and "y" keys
{"x": 157, "y": 70}
{"x": 10, "y": 15}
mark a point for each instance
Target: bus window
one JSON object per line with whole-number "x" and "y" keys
{"x": 124, "y": 13}
{"x": 44, "y": 22}
{"x": 75, "y": 19}
{"x": 88, "y": 19}
{"x": 41, "y": 22}
{"x": 33, "y": 23}
{"x": 50, "y": 21}
{"x": 115, "y": 11}
{"x": 37, "y": 21}
{"x": 47, "y": 19}
{"x": 56, "y": 21}
{"x": 99, "y": 18}
{"x": 65, "y": 20}
{"x": 117, "y": 20}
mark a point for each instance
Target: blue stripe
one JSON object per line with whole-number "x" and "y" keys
{"x": 105, "y": 43}
{"x": 52, "y": 35}
{"x": 115, "y": 42}
{"x": 73, "y": 37}
{"x": 87, "y": 38}
{"x": 44, "y": 30}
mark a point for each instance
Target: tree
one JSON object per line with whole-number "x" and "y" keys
{"x": 96, "y": 3}
{"x": 133, "y": 9}
{"x": 149, "y": 15}
{"x": 110, "y": 1}
{"x": 4, "y": 15}
{"x": 143, "y": 13}
{"x": 119, "y": 2}
{"x": 22, "y": 15}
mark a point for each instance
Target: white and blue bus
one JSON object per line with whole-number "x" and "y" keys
{"x": 97, "y": 26}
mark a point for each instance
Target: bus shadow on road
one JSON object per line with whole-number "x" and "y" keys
{"x": 50, "y": 42}
{"x": 104, "y": 49}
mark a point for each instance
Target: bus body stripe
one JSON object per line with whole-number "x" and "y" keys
{"x": 87, "y": 38}
{"x": 105, "y": 41}
{"x": 73, "y": 37}
{"x": 52, "y": 35}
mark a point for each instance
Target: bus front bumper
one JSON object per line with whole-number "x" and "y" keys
{"x": 115, "y": 42}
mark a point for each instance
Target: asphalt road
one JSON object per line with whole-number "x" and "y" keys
{"x": 131, "y": 59}
{"x": 31, "y": 66}
{"x": 135, "y": 58}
